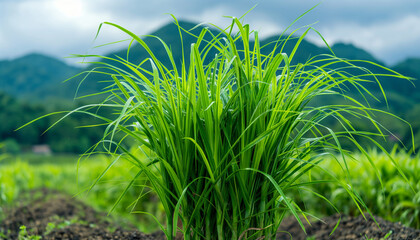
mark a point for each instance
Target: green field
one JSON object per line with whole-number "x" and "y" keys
{"x": 21, "y": 173}
{"x": 396, "y": 201}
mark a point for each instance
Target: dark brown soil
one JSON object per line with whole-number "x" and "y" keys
{"x": 54, "y": 215}
{"x": 349, "y": 228}
{"x": 67, "y": 217}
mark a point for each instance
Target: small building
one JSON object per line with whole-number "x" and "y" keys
{"x": 43, "y": 149}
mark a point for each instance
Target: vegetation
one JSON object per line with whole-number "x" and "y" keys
{"x": 229, "y": 130}
{"x": 394, "y": 199}
{"x": 17, "y": 176}
{"x": 24, "y": 235}
{"x": 68, "y": 138}
{"x": 32, "y": 172}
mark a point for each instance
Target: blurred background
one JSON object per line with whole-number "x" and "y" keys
{"x": 38, "y": 36}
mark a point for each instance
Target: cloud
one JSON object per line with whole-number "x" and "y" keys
{"x": 48, "y": 26}
{"x": 387, "y": 40}
{"x": 58, "y": 27}
{"x": 62, "y": 27}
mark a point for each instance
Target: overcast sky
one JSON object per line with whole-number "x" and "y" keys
{"x": 389, "y": 29}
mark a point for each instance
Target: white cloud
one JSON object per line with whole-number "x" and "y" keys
{"x": 68, "y": 9}
{"x": 62, "y": 27}
{"x": 220, "y": 15}
{"x": 266, "y": 28}
{"x": 383, "y": 39}
{"x": 48, "y": 26}
{"x": 216, "y": 14}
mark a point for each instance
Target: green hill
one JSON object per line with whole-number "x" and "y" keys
{"x": 350, "y": 51}
{"x": 410, "y": 67}
{"x": 24, "y": 76}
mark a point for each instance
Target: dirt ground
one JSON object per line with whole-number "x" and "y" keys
{"x": 54, "y": 215}
{"x": 349, "y": 228}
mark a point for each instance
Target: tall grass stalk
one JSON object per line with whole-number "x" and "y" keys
{"x": 230, "y": 134}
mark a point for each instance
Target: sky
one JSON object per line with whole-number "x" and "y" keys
{"x": 389, "y": 29}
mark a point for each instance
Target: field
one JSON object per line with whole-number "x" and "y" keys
{"x": 394, "y": 201}
{"x": 19, "y": 174}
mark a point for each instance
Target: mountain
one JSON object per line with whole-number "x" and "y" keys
{"x": 350, "y": 51}
{"x": 409, "y": 67}
{"x": 25, "y": 76}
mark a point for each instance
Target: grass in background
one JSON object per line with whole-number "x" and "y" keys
{"x": 229, "y": 135}
{"x": 35, "y": 159}
{"x": 397, "y": 200}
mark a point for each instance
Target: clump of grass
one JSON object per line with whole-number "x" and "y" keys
{"x": 229, "y": 131}
{"x": 24, "y": 235}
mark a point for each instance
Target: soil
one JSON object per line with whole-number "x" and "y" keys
{"x": 349, "y": 228}
{"x": 67, "y": 217}
{"x": 54, "y": 215}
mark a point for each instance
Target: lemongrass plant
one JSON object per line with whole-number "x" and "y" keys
{"x": 229, "y": 135}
